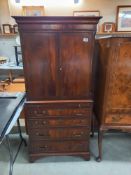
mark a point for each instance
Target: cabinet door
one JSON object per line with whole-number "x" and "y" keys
{"x": 76, "y": 52}
{"x": 40, "y": 59}
{"x": 119, "y": 90}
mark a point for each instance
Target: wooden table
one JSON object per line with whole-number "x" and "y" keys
{"x": 10, "y": 68}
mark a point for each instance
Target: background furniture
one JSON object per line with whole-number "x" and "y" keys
{"x": 57, "y": 55}
{"x": 18, "y": 54}
{"x": 113, "y": 86}
{"x": 4, "y": 81}
{"x": 12, "y": 72}
{"x": 11, "y": 105}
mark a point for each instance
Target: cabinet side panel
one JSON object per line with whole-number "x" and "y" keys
{"x": 103, "y": 52}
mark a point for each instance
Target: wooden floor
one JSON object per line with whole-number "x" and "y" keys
{"x": 15, "y": 87}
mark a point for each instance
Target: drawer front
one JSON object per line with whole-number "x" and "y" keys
{"x": 58, "y": 146}
{"x": 121, "y": 119}
{"x": 59, "y": 105}
{"x": 40, "y": 112}
{"x": 59, "y": 133}
{"x": 58, "y": 122}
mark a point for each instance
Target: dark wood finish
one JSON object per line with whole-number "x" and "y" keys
{"x": 113, "y": 86}
{"x": 57, "y": 54}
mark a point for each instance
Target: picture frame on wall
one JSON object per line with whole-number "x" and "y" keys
{"x": 108, "y": 27}
{"x": 33, "y": 10}
{"x": 123, "y": 19}
{"x": 86, "y": 13}
{"x": 7, "y": 29}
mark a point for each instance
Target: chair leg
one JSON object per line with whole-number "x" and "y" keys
{"x": 100, "y": 137}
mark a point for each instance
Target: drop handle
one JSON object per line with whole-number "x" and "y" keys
{"x": 42, "y": 135}
{"x": 79, "y": 114}
{"x": 44, "y": 147}
{"x": 44, "y": 122}
{"x": 39, "y": 112}
{"x": 78, "y": 134}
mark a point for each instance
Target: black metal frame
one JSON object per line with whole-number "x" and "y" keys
{"x": 16, "y": 54}
{"x": 13, "y": 158}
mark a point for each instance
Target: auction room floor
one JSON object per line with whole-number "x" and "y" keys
{"x": 116, "y": 159}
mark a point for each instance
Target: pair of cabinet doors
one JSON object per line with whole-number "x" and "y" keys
{"x": 58, "y": 65}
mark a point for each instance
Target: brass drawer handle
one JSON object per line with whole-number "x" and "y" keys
{"x": 78, "y": 134}
{"x": 44, "y": 112}
{"x": 44, "y": 122}
{"x": 79, "y": 114}
{"x": 40, "y": 112}
{"x": 42, "y": 135}
{"x": 44, "y": 147}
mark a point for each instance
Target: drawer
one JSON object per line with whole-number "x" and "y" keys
{"x": 58, "y": 146}
{"x": 58, "y": 105}
{"x": 121, "y": 119}
{"x": 58, "y": 122}
{"x": 39, "y": 112}
{"x": 59, "y": 133}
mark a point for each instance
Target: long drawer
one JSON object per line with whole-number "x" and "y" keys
{"x": 59, "y": 133}
{"x": 58, "y": 146}
{"x": 40, "y": 111}
{"x": 58, "y": 122}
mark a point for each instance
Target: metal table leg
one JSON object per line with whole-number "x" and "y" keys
{"x": 10, "y": 154}
{"x": 13, "y": 158}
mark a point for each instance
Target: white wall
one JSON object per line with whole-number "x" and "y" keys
{"x": 7, "y": 47}
{"x": 107, "y": 9}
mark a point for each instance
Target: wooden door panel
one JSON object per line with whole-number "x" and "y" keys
{"x": 40, "y": 55}
{"x": 120, "y": 79}
{"x": 75, "y": 65}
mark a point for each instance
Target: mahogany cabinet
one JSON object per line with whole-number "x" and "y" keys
{"x": 57, "y": 54}
{"x": 113, "y": 86}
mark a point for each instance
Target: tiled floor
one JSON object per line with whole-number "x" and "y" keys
{"x": 116, "y": 159}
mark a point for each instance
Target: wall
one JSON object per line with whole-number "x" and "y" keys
{"x": 4, "y": 12}
{"x": 7, "y": 47}
{"x": 107, "y": 9}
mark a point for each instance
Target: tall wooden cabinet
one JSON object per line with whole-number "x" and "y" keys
{"x": 57, "y": 54}
{"x": 113, "y": 86}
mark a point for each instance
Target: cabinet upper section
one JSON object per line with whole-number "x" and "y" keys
{"x": 57, "y": 23}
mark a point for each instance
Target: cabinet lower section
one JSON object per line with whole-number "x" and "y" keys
{"x": 59, "y": 129}
{"x": 35, "y": 156}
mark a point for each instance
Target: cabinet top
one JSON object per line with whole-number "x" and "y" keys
{"x": 57, "y": 19}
